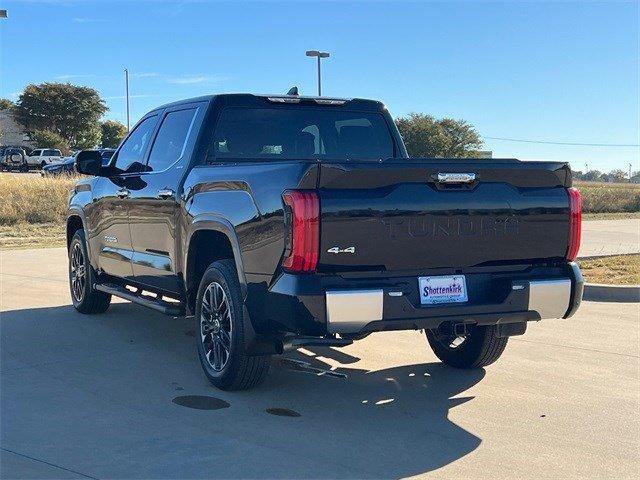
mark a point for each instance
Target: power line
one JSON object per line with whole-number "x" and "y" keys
{"x": 564, "y": 143}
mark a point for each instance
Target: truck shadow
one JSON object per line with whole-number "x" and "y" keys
{"x": 391, "y": 423}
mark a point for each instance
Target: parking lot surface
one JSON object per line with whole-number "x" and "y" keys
{"x": 91, "y": 397}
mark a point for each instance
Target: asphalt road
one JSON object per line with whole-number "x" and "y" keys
{"x": 91, "y": 397}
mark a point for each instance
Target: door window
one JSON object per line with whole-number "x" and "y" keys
{"x": 36, "y": 153}
{"x": 130, "y": 157}
{"x": 171, "y": 140}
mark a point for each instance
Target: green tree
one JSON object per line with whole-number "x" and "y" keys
{"x": 426, "y": 136}
{"x": 70, "y": 111}
{"x": 617, "y": 175}
{"x": 112, "y": 133}
{"x": 592, "y": 176}
{"x": 48, "y": 139}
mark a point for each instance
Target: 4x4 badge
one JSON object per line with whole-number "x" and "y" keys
{"x": 342, "y": 250}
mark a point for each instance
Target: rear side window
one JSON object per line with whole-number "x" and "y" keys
{"x": 170, "y": 142}
{"x": 130, "y": 157}
{"x": 52, "y": 153}
{"x": 302, "y": 133}
{"x": 36, "y": 153}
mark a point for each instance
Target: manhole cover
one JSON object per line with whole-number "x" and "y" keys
{"x": 200, "y": 402}
{"x": 282, "y": 412}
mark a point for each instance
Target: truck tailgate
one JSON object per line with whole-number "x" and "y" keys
{"x": 398, "y": 216}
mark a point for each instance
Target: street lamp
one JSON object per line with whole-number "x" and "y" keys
{"x": 319, "y": 55}
{"x": 126, "y": 83}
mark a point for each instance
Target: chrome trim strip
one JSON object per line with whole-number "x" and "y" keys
{"x": 456, "y": 177}
{"x": 550, "y": 298}
{"x": 350, "y": 310}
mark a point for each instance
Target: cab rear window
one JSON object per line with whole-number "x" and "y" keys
{"x": 302, "y": 133}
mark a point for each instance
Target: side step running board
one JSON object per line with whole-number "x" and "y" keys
{"x": 158, "y": 304}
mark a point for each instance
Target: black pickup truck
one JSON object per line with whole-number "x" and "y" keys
{"x": 285, "y": 221}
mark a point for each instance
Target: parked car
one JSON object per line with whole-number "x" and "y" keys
{"x": 43, "y": 156}
{"x": 13, "y": 158}
{"x": 283, "y": 221}
{"x": 65, "y": 167}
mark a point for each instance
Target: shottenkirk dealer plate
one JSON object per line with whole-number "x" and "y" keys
{"x": 442, "y": 289}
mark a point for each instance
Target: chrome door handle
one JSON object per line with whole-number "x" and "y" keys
{"x": 166, "y": 193}
{"x": 123, "y": 193}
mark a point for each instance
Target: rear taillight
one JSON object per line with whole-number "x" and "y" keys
{"x": 302, "y": 216}
{"x": 575, "y": 223}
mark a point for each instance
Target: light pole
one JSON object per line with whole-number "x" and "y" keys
{"x": 319, "y": 55}
{"x": 126, "y": 82}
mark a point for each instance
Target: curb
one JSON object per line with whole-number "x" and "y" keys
{"x": 597, "y": 292}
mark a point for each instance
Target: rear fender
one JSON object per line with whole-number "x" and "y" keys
{"x": 216, "y": 223}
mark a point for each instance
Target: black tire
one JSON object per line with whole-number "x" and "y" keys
{"x": 85, "y": 298}
{"x": 220, "y": 326}
{"x": 480, "y": 347}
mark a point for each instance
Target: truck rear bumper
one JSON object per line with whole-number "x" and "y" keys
{"x": 307, "y": 304}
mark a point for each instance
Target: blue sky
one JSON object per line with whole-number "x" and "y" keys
{"x": 542, "y": 71}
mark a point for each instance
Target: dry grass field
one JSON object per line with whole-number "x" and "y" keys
{"x": 617, "y": 270}
{"x": 610, "y": 197}
{"x": 32, "y": 210}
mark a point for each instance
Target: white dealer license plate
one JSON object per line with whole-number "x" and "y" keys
{"x": 442, "y": 289}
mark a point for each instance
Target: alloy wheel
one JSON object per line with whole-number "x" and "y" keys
{"x": 215, "y": 326}
{"x": 78, "y": 273}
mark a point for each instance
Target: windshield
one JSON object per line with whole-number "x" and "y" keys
{"x": 302, "y": 133}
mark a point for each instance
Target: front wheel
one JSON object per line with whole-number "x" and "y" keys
{"x": 220, "y": 340}
{"x": 85, "y": 298}
{"x": 481, "y": 346}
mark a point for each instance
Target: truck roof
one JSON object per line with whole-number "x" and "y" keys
{"x": 249, "y": 98}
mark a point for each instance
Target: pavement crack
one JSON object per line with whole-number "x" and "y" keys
{"x": 576, "y": 348}
{"x": 49, "y": 463}
{"x": 33, "y": 277}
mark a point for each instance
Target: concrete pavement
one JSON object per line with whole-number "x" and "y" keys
{"x": 610, "y": 237}
{"x": 91, "y": 397}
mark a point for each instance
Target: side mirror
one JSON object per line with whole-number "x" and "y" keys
{"x": 89, "y": 162}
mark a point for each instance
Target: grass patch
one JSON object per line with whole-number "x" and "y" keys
{"x": 25, "y": 235}
{"x": 611, "y": 216}
{"x": 29, "y": 199}
{"x": 33, "y": 210}
{"x": 609, "y": 197}
{"x": 616, "y": 270}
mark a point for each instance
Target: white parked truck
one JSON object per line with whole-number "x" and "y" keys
{"x": 43, "y": 156}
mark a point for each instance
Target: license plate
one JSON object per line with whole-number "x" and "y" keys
{"x": 442, "y": 289}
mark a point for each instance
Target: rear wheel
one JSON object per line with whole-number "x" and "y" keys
{"x": 85, "y": 298}
{"x": 481, "y": 346}
{"x": 220, "y": 338}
